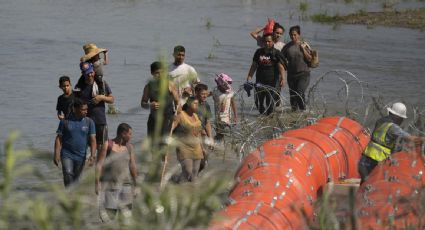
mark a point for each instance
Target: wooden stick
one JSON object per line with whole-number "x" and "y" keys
{"x": 161, "y": 185}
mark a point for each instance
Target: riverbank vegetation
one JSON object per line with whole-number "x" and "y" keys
{"x": 408, "y": 18}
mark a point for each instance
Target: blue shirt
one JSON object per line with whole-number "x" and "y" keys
{"x": 75, "y": 137}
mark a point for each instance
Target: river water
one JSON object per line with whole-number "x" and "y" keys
{"x": 42, "y": 40}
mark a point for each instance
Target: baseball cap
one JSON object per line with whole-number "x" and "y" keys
{"x": 86, "y": 68}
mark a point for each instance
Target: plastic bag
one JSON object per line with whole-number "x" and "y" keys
{"x": 268, "y": 28}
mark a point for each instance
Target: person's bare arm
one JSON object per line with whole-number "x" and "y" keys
{"x": 306, "y": 52}
{"x": 58, "y": 147}
{"x": 235, "y": 114}
{"x": 254, "y": 34}
{"x": 144, "y": 103}
{"x": 93, "y": 146}
{"x": 282, "y": 75}
{"x": 176, "y": 121}
{"x": 176, "y": 98}
{"x": 416, "y": 140}
{"x": 106, "y": 98}
{"x": 99, "y": 166}
{"x": 133, "y": 165}
{"x": 252, "y": 70}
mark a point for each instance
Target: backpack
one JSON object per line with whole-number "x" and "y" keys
{"x": 314, "y": 56}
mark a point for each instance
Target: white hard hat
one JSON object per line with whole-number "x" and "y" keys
{"x": 398, "y": 109}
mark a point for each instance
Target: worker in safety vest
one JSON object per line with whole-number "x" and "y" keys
{"x": 384, "y": 138}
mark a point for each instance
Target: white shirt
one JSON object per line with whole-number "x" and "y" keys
{"x": 183, "y": 76}
{"x": 222, "y": 102}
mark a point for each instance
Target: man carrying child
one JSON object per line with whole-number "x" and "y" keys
{"x": 88, "y": 91}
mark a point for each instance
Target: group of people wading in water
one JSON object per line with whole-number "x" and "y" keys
{"x": 178, "y": 106}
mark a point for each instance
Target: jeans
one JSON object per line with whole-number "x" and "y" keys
{"x": 298, "y": 84}
{"x": 71, "y": 170}
{"x": 365, "y": 166}
{"x": 270, "y": 95}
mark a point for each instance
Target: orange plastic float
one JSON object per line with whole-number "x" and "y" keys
{"x": 330, "y": 149}
{"x": 359, "y": 133}
{"x": 390, "y": 196}
{"x": 287, "y": 150}
{"x": 344, "y": 139}
{"x": 283, "y": 176}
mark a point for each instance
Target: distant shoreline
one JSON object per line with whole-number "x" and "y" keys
{"x": 407, "y": 18}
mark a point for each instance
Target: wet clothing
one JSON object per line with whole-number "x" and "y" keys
{"x": 267, "y": 60}
{"x": 75, "y": 135}
{"x": 294, "y": 59}
{"x": 188, "y": 135}
{"x": 265, "y": 94}
{"x": 383, "y": 143}
{"x": 64, "y": 105}
{"x": 298, "y": 74}
{"x": 168, "y": 112}
{"x": 298, "y": 84}
{"x": 101, "y": 134}
{"x": 71, "y": 170}
{"x": 96, "y": 111}
{"x": 116, "y": 179}
{"x": 222, "y": 105}
{"x": 267, "y": 74}
{"x": 190, "y": 169}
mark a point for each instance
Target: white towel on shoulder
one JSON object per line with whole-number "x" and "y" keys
{"x": 95, "y": 90}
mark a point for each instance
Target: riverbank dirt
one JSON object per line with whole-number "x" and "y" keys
{"x": 407, "y": 18}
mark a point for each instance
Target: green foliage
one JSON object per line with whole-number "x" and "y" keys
{"x": 324, "y": 18}
{"x": 174, "y": 207}
{"x": 361, "y": 12}
{"x": 208, "y": 23}
{"x": 303, "y": 7}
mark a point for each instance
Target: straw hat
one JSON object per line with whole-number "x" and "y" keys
{"x": 90, "y": 51}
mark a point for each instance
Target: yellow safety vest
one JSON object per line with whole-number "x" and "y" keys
{"x": 377, "y": 148}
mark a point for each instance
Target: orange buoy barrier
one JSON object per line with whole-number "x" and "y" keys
{"x": 391, "y": 196}
{"x": 278, "y": 182}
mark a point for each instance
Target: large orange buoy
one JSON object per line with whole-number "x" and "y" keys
{"x": 391, "y": 194}
{"x": 330, "y": 149}
{"x": 287, "y": 150}
{"x": 278, "y": 182}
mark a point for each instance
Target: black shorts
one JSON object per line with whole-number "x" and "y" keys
{"x": 101, "y": 134}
